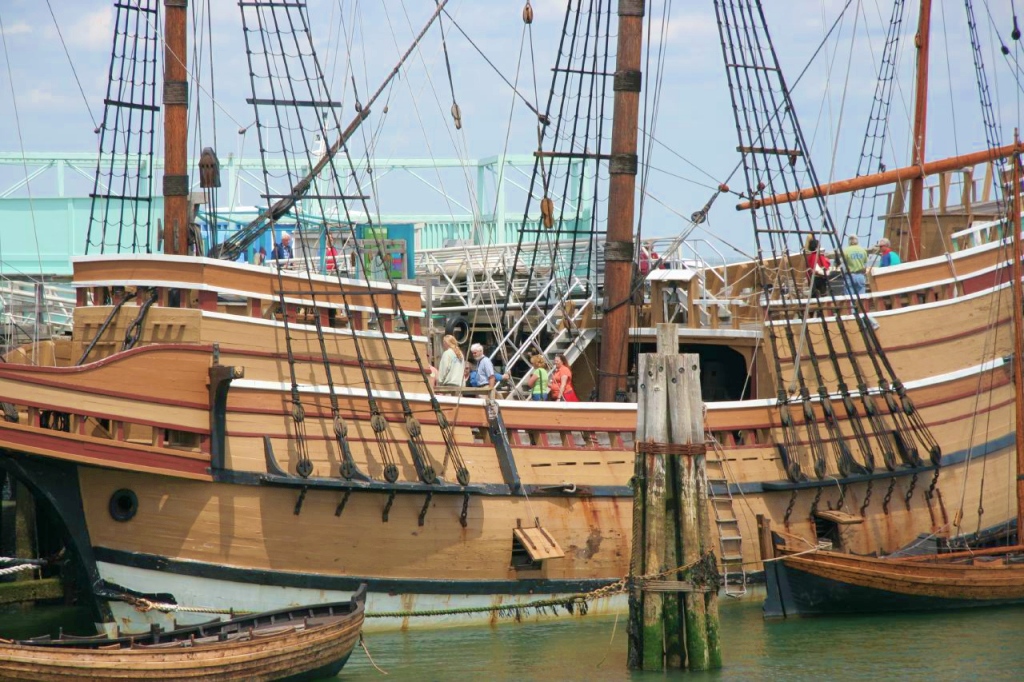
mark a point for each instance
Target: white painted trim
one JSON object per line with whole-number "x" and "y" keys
{"x": 385, "y": 287}
{"x": 916, "y": 383}
{"x": 246, "y": 294}
{"x": 370, "y": 334}
{"x": 276, "y": 386}
{"x": 908, "y": 308}
{"x": 690, "y": 332}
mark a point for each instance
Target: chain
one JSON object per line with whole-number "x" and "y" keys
{"x": 867, "y": 500}
{"x": 910, "y": 491}
{"x": 930, "y": 493}
{"x": 888, "y": 495}
{"x": 842, "y": 497}
{"x": 789, "y": 509}
{"x": 814, "y": 504}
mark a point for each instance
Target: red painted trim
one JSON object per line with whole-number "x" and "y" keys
{"x": 102, "y": 454}
{"x": 315, "y": 359}
{"x": 14, "y": 370}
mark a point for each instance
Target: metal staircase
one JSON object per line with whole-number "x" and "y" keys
{"x": 34, "y": 310}
{"x": 730, "y": 541}
{"x": 560, "y": 313}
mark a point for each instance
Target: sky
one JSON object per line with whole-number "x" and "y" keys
{"x": 45, "y": 109}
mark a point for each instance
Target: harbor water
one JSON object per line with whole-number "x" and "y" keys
{"x": 984, "y": 644}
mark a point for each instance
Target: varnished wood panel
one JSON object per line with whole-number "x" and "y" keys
{"x": 217, "y": 275}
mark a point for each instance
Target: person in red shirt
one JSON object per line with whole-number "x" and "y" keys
{"x": 560, "y": 384}
{"x": 817, "y": 268}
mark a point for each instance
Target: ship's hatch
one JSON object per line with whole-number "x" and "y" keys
{"x": 531, "y": 546}
{"x": 829, "y": 524}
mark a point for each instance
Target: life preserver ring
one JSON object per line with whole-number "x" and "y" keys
{"x": 459, "y": 328}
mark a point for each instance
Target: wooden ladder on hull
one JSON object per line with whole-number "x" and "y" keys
{"x": 730, "y": 541}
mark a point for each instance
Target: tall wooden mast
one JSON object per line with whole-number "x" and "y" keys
{"x": 1018, "y": 333}
{"x": 920, "y": 126}
{"x": 618, "y": 273}
{"x": 176, "y": 186}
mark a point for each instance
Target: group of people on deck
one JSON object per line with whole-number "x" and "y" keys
{"x": 855, "y": 257}
{"x": 477, "y": 371}
{"x": 283, "y": 251}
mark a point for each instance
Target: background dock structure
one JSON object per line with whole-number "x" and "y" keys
{"x": 673, "y": 599}
{"x": 19, "y": 539}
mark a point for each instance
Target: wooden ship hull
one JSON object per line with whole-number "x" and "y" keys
{"x": 303, "y": 643}
{"x": 221, "y": 435}
{"x": 174, "y": 464}
{"x": 831, "y": 583}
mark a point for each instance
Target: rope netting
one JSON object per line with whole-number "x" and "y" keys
{"x": 121, "y": 215}
{"x": 817, "y": 342}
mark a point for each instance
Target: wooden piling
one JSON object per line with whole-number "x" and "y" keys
{"x": 672, "y": 605}
{"x": 685, "y": 377}
{"x": 652, "y": 426}
{"x": 635, "y": 623}
{"x": 671, "y": 518}
{"x": 24, "y": 527}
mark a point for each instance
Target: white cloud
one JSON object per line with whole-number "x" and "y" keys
{"x": 42, "y": 98}
{"x": 92, "y": 31}
{"x": 17, "y": 28}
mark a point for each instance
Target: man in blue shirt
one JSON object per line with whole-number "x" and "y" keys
{"x": 484, "y": 367}
{"x": 283, "y": 251}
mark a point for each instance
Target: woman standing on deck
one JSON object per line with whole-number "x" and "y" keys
{"x": 538, "y": 381}
{"x": 451, "y": 370}
{"x": 561, "y": 381}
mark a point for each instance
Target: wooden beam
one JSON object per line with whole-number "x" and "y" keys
{"x": 920, "y": 126}
{"x": 176, "y": 194}
{"x": 885, "y": 178}
{"x": 618, "y": 278}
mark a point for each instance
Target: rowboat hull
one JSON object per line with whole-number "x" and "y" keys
{"x": 830, "y": 583}
{"x": 293, "y": 644}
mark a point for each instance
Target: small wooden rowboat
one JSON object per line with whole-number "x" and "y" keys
{"x": 309, "y": 642}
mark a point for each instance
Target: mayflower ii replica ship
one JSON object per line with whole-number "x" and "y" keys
{"x": 221, "y": 435}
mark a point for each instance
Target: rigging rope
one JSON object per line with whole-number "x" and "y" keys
{"x": 775, "y": 160}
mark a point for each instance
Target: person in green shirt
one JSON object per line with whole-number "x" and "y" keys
{"x": 856, "y": 258}
{"x": 538, "y": 381}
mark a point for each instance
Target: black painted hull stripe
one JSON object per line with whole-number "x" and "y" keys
{"x": 318, "y": 581}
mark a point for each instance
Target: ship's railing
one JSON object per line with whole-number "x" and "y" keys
{"x": 470, "y": 276}
{"x": 980, "y": 233}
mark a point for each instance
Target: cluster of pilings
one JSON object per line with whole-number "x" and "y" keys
{"x": 673, "y": 601}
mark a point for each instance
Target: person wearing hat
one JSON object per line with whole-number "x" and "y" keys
{"x": 856, "y": 258}
{"x": 888, "y": 256}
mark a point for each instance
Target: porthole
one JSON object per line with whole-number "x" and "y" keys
{"x": 124, "y": 504}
